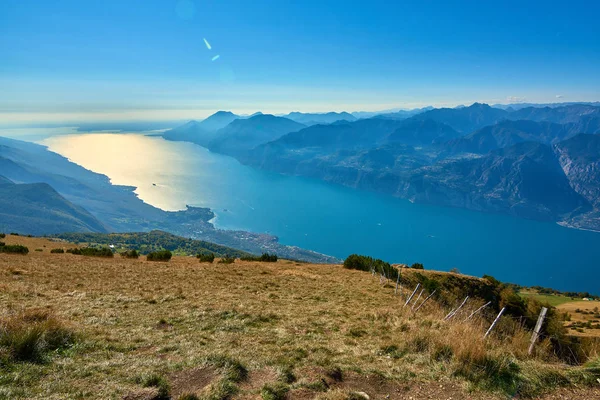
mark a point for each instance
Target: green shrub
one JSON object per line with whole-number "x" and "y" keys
{"x": 492, "y": 280}
{"x": 227, "y": 260}
{"x": 265, "y": 257}
{"x": 31, "y": 335}
{"x": 2, "y": 235}
{"x": 57, "y": 251}
{"x": 417, "y": 266}
{"x": 14, "y": 234}
{"x": 161, "y": 255}
{"x": 365, "y": 263}
{"x": 206, "y": 258}
{"x": 94, "y": 252}
{"x": 2, "y": 244}
{"x": 130, "y": 254}
{"x": 14, "y": 249}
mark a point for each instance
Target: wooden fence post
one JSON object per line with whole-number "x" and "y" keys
{"x": 418, "y": 298}
{"x": 453, "y": 313}
{"x": 538, "y": 327}
{"x": 494, "y": 323}
{"x": 397, "y": 281}
{"x": 479, "y": 309}
{"x": 425, "y": 301}
{"x": 411, "y": 296}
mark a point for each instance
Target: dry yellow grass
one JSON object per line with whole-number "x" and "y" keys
{"x": 136, "y": 317}
{"x": 583, "y": 312}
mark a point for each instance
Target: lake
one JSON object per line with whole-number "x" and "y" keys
{"x": 336, "y": 220}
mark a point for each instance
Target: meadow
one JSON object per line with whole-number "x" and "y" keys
{"x": 133, "y": 329}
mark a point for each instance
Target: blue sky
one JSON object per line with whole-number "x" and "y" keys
{"x": 66, "y": 60}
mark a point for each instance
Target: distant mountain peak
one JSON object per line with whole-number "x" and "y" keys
{"x": 479, "y": 105}
{"x": 222, "y": 113}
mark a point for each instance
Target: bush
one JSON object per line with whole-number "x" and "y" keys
{"x": 57, "y": 251}
{"x": 2, "y": 235}
{"x": 206, "y": 258}
{"x": 14, "y": 249}
{"x": 365, "y": 263}
{"x": 130, "y": 254}
{"x": 31, "y": 335}
{"x": 492, "y": 280}
{"x": 94, "y": 252}
{"x": 417, "y": 266}
{"x": 2, "y": 244}
{"x": 162, "y": 255}
{"x": 14, "y": 234}
{"x": 227, "y": 260}
{"x": 265, "y": 257}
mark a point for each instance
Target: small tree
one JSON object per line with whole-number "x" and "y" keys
{"x": 417, "y": 266}
{"x": 227, "y": 259}
{"x": 206, "y": 258}
{"x": 94, "y": 252}
{"x": 130, "y": 254}
{"x": 161, "y": 255}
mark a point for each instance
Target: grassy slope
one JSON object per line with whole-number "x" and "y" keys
{"x": 137, "y": 318}
{"x": 553, "y": 300}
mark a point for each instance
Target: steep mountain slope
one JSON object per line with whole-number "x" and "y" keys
{"x": 507, "y": 133}
{"x": 38, "y": 209}
{"x": 362, "y": 133}
{"x": 524, "y": 180}
{"x": 201, "y": 132}
{"x": 465, "y": 119}
{"x": 579, "y": 158}
{"x": 242, "y": 135}
{"x": 416, "y": 131}
{"x": 309, "y": 119}
{"x": 561, "y": 115}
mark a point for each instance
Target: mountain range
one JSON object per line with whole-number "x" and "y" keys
{"x": 534, "y": 162}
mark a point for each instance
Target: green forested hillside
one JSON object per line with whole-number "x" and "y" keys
{"x": 146, "y": 242}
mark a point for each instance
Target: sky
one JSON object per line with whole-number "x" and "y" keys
{"x": 99, "y": 60}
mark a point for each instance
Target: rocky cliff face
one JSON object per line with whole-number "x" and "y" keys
{"x": 579, "y": 158}
{"x": 525, "y": 180}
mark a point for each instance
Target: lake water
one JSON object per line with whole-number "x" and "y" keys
{"x": 337, "y": 220}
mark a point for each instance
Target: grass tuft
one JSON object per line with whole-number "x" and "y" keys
{"x": 159, "y": 382}
{"x": 31, "y": 335}
{"x": 276, "y": 391}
